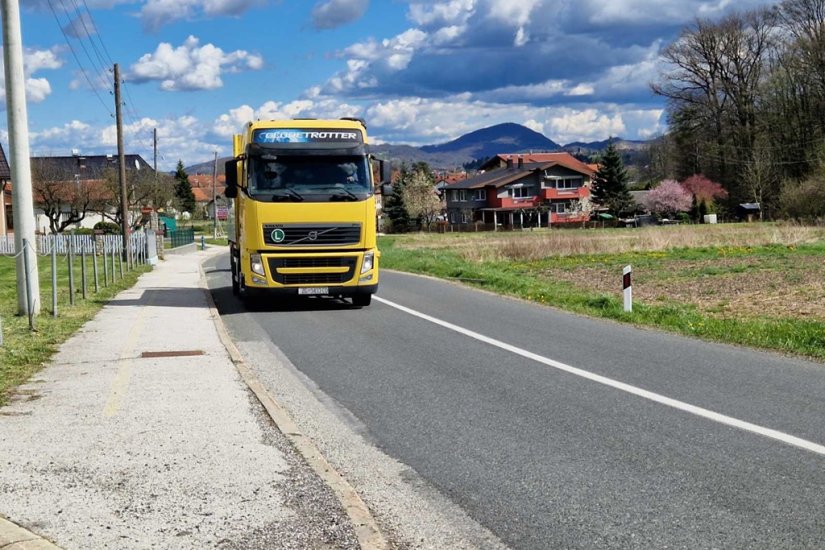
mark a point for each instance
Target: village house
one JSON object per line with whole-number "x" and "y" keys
{"x": 76, "y": 170}
{"x": 203, "y": 186}
{"x": 523, "y": 190}
{"x": 87, "y": 169}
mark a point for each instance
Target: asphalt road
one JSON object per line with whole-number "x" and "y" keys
{"x": 557, "y": 431}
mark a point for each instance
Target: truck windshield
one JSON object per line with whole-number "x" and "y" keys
{"x": 309, "y": 178}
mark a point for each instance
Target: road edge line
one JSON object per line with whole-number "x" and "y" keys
{"x": 366, "y": 528}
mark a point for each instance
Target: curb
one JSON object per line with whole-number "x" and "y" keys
{"x": 14, "y": 537}
{"x": 366, "y": 528}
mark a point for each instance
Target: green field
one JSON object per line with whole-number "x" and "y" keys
{"x": 760, "y": 285}
{"x": 24, "y": 351}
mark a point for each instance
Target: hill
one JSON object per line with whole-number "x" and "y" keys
{"x": 479, "y": 144}
{"x": 206, "y": 168}
{"x": 508, "y": 137}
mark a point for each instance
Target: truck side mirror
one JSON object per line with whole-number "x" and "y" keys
{"x": 385, "y": 168}
{"x": 231, "y": 171}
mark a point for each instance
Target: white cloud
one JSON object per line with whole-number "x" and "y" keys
{"x": 442, "y": 14}
{"x": 515, "y": 13}
{"x": 178, "y": 138}
{"x": 568, "y": 125}
{"x": 522, "y": 37}
{"x": 35, "y": 60}
{"x": 660, "y": 11}
{"x": 191, "y": 67}
{"x": 534, "y": 125}
{"x": 37, "y": 89}
{"x": 312, "y": 106}
{"x": 418, "y": 121}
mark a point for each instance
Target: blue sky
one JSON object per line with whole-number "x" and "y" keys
{"x": 420, "y": 72}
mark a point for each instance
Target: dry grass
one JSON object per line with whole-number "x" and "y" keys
{"x": 541, "y": 243}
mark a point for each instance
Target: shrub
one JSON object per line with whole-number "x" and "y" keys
{"x": 108, "y": 228}
{"x": 804, "y": 200}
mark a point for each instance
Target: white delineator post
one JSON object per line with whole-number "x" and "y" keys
{"x": 628, "y": 289}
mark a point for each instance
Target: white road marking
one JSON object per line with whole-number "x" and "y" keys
{"x": 676, "y": 404}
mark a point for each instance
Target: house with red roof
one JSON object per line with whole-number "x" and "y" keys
{"x": 523, "y": 190}
{"x": 203, "y": 187}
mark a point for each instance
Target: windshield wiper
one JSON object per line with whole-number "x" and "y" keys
{"x": 343, "y": 194}
{"x": 286, "y": 194}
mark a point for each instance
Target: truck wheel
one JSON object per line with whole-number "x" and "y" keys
{"x": 361, "y": 300}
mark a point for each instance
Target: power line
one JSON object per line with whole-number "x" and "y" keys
{"x": 77, "y": 59}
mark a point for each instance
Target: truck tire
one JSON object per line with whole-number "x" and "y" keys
{"x": 361, "y": 300}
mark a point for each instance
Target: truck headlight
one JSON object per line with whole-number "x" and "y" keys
{"x": 256, "y": 264}
{"x": 366, "y": 264}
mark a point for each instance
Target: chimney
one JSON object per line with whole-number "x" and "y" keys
{"x": 520, "y": 161}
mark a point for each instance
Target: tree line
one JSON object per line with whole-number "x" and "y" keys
{"x": 745, "y": 101}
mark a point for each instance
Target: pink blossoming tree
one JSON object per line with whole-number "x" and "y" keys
{"x": 668, "y": 199}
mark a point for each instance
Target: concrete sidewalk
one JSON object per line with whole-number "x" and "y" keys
{"x": 141, "y": 433}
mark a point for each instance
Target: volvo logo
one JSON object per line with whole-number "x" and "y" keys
{"x": 313, "y": 235}
{"x": 278, "y": 235}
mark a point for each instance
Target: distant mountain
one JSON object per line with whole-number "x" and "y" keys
{"x": 480, "y": 144}
{"x": 619, "y": 143}
{"x": 205, "y": 168}
{"x": 501, "y": 138}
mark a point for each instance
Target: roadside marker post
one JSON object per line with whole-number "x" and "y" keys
{"x": 628, "y": 289}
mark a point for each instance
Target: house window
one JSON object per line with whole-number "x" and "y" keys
{"x": 522, "y": 192}
{"x": 555, "y": 182}
{"x": 466, "y": 216}
{"x": 480, "y": 195}
{"x": 462, "y": 195}
{"x": 561, "y": 207}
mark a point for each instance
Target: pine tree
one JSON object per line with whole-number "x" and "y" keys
{"x": 183, "y": 189}
{"x": 395, "y": 208}
{"x": 610, "y": 184}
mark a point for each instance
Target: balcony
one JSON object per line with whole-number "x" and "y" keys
{"x": 575, "y": 193}
{"x": 510, "y": 202}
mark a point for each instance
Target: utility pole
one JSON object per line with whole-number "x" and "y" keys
{"x": 21, "y": 176}
{"x": 155, "y": 143}
{"x": 121, "y": 158}
{"x": 215, "y": 198}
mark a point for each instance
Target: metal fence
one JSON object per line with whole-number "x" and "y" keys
{"x": 100, "y": 244}
{"x": 181, "y": 237}
{"x": 100, "y": 257}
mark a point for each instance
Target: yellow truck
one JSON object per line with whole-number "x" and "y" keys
{"x": 305, "y": 209}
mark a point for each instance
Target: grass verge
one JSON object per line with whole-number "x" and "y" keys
{"x": 763, "y": 294}
{"x": 24, "y": 352}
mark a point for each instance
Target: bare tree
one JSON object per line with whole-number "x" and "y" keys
{"x": 713, "y": 91}
{"x": 146, "y": 188}
{"x": 64, "y": 198}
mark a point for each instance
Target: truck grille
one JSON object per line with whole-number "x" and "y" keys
{"x": 312, "y": 278}
{"x": 330, "y": 234}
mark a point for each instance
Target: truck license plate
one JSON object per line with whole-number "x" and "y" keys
{"x": 313, "y": 291}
